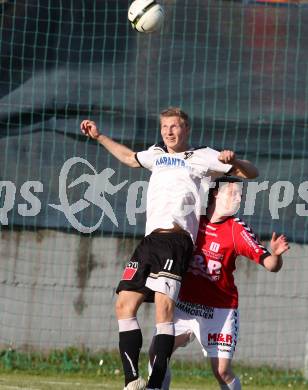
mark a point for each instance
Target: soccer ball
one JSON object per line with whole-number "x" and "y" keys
{"x": 146, "y": 15}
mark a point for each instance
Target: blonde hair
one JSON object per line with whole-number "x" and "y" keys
{"x": 175, "y": 111}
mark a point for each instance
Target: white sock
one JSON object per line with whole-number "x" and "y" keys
{"x": 165, "y": 328}
{"x": 234, "y": 385}
{"x": 128, "y": 324}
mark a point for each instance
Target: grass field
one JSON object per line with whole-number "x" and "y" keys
{"x": 19, "y": 380}
{"x": 74, "y": 369}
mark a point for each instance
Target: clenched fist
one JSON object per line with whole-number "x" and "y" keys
{"x": 227, "y": 157}
{"x": 89, "y": 128}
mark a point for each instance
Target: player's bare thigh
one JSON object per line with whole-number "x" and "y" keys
{"x": 128, "y": 303}
{"x": 164, "y": 308}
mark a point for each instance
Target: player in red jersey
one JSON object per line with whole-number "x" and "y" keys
{"x": 207, "y": 307}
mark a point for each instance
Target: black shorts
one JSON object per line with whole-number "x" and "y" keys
{"x": 158, "y": 264}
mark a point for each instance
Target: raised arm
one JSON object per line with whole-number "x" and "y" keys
{"x": 241, "y": 168}
{"x": 279, "y": 245}
{"x": 119, "y": 151}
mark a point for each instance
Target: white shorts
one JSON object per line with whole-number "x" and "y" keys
{"x": 216, "y": 329}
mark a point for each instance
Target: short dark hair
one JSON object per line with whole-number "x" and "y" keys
{"x": 175, "y": 111}
{"x": 217, "y": 182}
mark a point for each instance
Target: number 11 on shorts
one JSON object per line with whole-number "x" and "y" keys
{"x": 168, "y": 264}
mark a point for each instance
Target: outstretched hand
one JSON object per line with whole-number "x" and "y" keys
{"x": 89, "y": 128}
{"x": 279, "y": 244}
{"x": 227, "y": 156}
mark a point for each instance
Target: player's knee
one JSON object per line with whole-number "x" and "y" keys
{"x": 119, "y": 306}
{"x": 223, "y": 374}
{"x": 164, "y": 315}
{"x": 128, "y": 303}
{"x": 183, "y": 339}
{"x": 164, "y": 308}
{"x": 125, "y": 308}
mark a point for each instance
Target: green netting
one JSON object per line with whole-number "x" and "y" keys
{"x": 238, "y": 68}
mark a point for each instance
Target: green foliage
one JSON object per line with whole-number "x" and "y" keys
{"x": 61, "y": 361}
{"x": 108, "y": 365}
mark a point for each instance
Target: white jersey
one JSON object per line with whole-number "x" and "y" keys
{"x": 175, "y": 185}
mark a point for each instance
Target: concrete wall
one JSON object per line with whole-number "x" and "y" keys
{"x": 58, "y": 290}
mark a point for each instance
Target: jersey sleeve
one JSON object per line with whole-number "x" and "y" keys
{"x": 146, "y": 157}
{"x": 246, "y": 242}
{"x": 215, "y": 165}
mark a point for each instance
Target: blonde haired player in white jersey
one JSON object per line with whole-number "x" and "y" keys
{"x": 207, "y": 307}
{"x": 173, "y": 209}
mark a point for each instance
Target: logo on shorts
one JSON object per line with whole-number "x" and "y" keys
{"x": 223, "y": 339}
{"x": 130, "y": 270}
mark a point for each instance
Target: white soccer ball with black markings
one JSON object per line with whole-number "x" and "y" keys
{"x": 146, "y": 15}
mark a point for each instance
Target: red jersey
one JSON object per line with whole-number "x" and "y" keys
{"x": 209, "y": 280}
